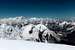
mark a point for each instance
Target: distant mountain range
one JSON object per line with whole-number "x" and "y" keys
{"x": 47, "y": 30}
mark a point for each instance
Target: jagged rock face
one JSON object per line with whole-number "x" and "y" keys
{"x": 70, "y": 36}
{"x": 39, "y": 33}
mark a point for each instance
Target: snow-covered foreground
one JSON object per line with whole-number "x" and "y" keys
{"x": 27, "y": 45}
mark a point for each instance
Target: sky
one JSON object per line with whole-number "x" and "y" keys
{"x": 57, "y": 8}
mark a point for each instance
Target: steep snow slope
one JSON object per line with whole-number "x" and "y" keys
{"x": 25, "y": 31}
{"x": 26, "y": 45}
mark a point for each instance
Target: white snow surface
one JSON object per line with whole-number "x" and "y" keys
{"x": 27, "y": 45}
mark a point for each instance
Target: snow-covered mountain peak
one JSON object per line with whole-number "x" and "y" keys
{"x": 36, "y": 29}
